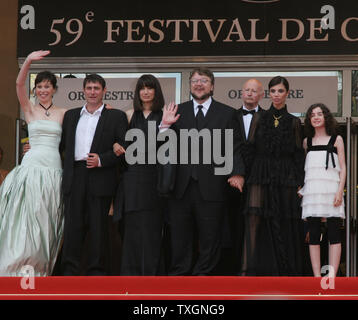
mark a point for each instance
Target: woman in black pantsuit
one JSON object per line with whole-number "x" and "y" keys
{"x": 143, "y": 216}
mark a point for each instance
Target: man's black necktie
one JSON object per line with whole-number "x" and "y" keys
{"x": 199, "y": 118}
{"x": 199, "y": 125}
{"x": 245, "y": 112}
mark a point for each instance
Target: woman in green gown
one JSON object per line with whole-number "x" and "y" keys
{"x": 31, "y": 216}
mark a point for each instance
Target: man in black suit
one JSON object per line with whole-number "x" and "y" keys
{"x": 199, "y": 197}
{"x": 89, "y": 177}
{"x": 252, "y": 93}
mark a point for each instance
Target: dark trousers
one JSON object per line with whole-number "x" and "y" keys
{"x": 236, "y": 230}
{"x": 189, "y": 216}
{"x": 142, "y": 243}
{"x": 85, "y": 217}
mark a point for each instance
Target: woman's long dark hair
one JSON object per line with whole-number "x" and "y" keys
{"x": 330, "y": 122}
{"x": 149, "y": 81}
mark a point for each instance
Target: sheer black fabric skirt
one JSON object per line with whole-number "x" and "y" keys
{"x": 274, "y": 237}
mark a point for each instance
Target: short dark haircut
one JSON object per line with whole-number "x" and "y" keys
{"x": 46, "y": 76}
{"x": 149, "y": 81}
{"x": 330, "y": 122}
{"x": 93, "y": 78}
{"x": 69, "y": 76}
{"x": 277, "y": 80}
{"x": 203, "y": 72}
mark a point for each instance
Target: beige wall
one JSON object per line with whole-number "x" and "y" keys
{"x": 9, "y": 68}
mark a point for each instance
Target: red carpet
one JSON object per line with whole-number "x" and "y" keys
{"x": 178, "y": 288}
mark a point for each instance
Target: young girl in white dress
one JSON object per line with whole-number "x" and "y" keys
{"x": 325, "y": 176}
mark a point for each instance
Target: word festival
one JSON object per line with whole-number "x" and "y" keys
{"x": 220, "y": 30}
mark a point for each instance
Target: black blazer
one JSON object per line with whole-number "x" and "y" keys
{"x": 112, "y": 126}
{"x": 240, "y": 118}
{"x": 212, "y": 187}
{"x": 246, "y": 149}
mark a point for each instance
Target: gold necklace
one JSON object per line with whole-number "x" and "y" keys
{"x": 276, "y": 122}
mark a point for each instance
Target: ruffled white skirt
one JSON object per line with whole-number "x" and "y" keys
{"x": 320, "y": 187}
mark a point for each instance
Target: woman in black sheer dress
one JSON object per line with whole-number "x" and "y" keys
{"x": 273, "y": 234}
{"x": 143, "y": 216}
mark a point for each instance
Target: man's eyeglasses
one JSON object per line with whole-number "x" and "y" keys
{"x": 202, "y": 81}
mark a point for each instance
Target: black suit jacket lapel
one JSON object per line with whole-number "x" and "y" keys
{"x": 99, "y": 130}
{"x": 188, "y": 115}
{"x": 241, "y": 122}
{"x": 72, "y": 127}
{"x": 254, "y": 117}
{"x": 210, "y": 114}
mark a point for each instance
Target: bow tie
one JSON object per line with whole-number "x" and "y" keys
{"x": 245, "y": 112}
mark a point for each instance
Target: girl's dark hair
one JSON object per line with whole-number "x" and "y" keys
{"x": 277, "y": 80}
{"x": 46, "y": 76}
{"x": 149, "y": 81}
{"x": 330, "y": 122}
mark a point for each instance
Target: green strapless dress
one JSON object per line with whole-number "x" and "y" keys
{"x": 31, "y": 211}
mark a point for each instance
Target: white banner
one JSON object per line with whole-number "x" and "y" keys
{"x": 120, "y": 92}
{"x": 304, "y": 91}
